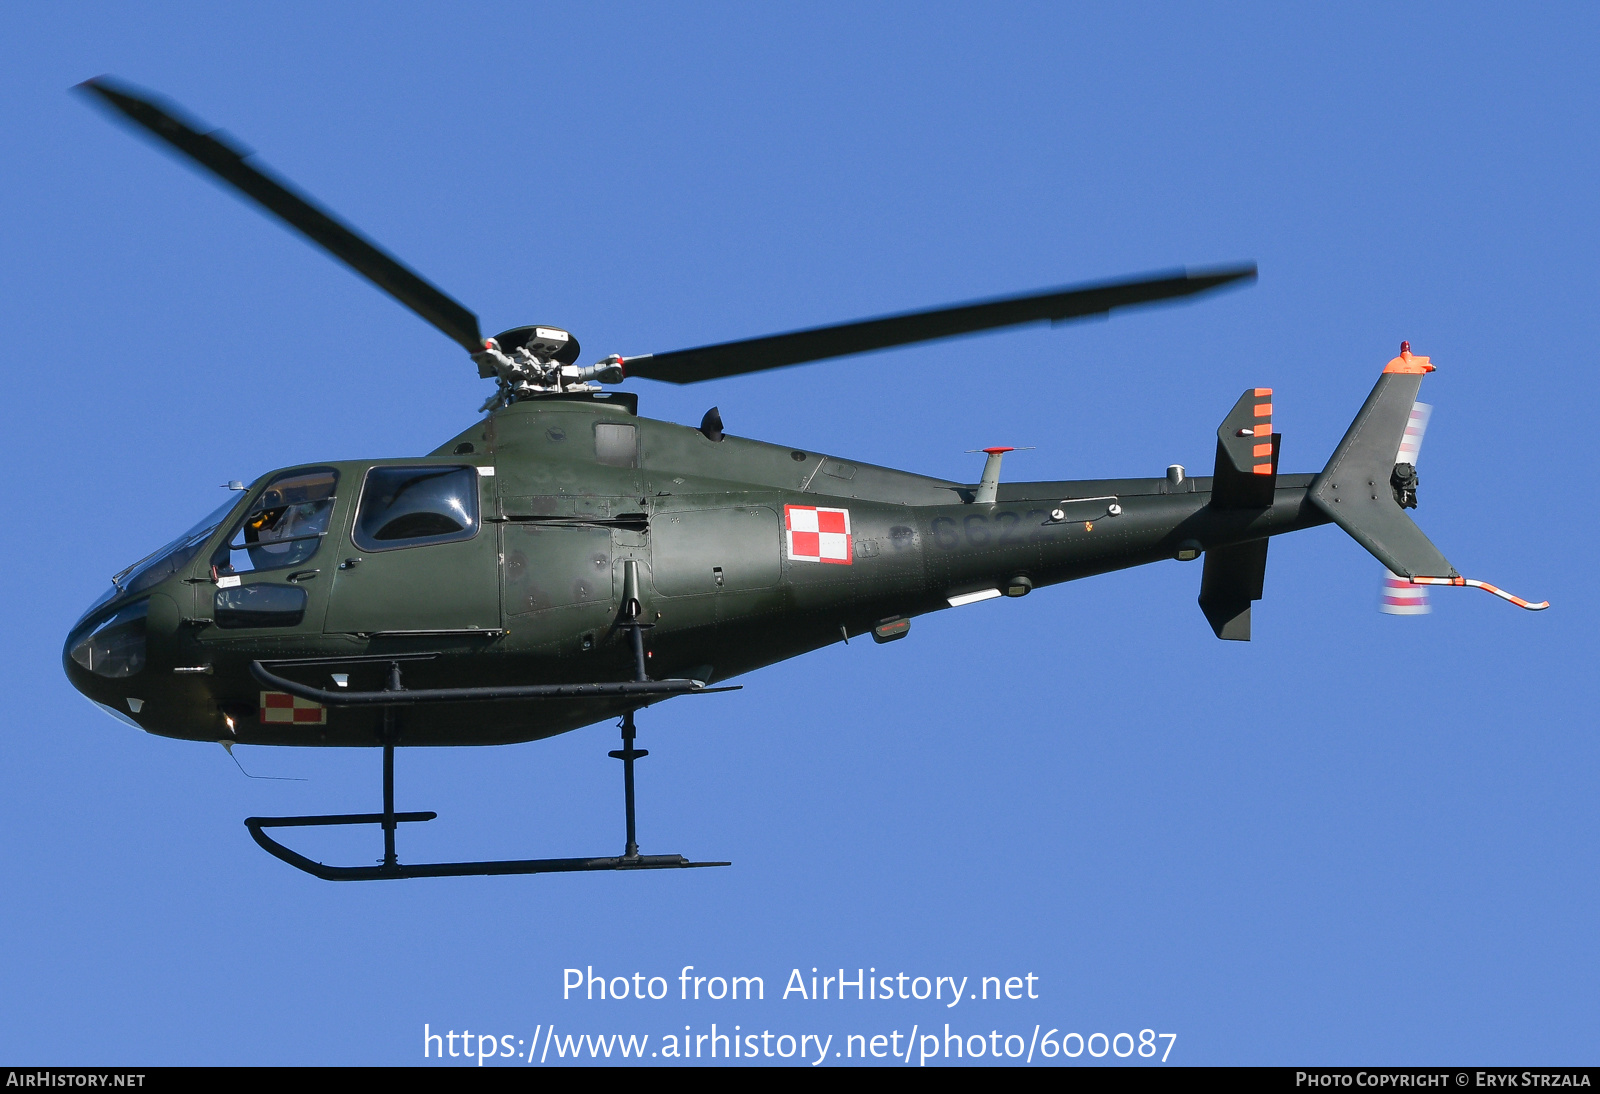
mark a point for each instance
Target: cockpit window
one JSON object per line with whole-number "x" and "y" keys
{"x": 169, "y": 560}
{"x": 285, "y": 525}
{"x": 412, "y": 506}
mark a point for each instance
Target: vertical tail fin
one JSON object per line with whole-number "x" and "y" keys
{"x": 1359, "y": 488}
{"x": 1368, "y": 485}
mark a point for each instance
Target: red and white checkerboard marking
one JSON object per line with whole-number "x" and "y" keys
{"x": 815, "y": 534}
{"x": 279, "y": 708}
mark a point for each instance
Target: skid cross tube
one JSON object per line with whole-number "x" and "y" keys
{"x": 391, "y": 868}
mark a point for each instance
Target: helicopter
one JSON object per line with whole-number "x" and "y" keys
{"x": 564, "y": 561}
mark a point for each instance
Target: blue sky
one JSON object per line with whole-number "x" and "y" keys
{"x": 1356, "y": 839}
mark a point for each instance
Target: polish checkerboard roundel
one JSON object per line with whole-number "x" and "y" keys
{"x": 816, "y": 534}
{"x": 280, "y": 709}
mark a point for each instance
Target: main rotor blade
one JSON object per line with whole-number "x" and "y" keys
{"x": 687, "y": 366}
{"x": 229, "y": 164}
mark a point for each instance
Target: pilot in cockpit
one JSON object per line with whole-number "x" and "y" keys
{"x": 285, "y": 524}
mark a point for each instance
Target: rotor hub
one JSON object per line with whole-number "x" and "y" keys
{"x": 527, "y": 362}
{"x": 546, "y": 343}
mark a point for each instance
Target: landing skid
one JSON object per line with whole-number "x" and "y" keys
{"x": 392, "y": 868}
{"x": 443, "y": 869}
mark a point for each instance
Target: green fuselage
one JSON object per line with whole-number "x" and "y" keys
{"x": 571, "y": 491}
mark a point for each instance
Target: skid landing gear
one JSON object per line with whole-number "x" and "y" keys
{"x": 391, "y": 866}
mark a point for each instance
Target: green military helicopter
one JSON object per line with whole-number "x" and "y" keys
{"x": 564, "y": 560}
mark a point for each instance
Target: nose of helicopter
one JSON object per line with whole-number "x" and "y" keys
{"x": 125, "y": 654}
{"x": 114, "y": 654}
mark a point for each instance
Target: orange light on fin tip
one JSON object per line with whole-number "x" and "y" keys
{"x": 1485, "y": 586}
{"x": 1260, "y": 391}
{"x": 1408, "y": 365}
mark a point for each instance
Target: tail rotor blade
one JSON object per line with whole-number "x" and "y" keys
{"x": 1416, "y": 428}
{"x": 1400, "y": 597}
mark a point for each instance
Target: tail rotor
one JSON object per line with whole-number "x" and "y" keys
{"x": 1399, "y": 596}
{"x": 1351, "y": 489}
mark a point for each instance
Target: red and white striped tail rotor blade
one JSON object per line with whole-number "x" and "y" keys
{"x": 1411, "y": 442}
{"x": 1401, "y": 597}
